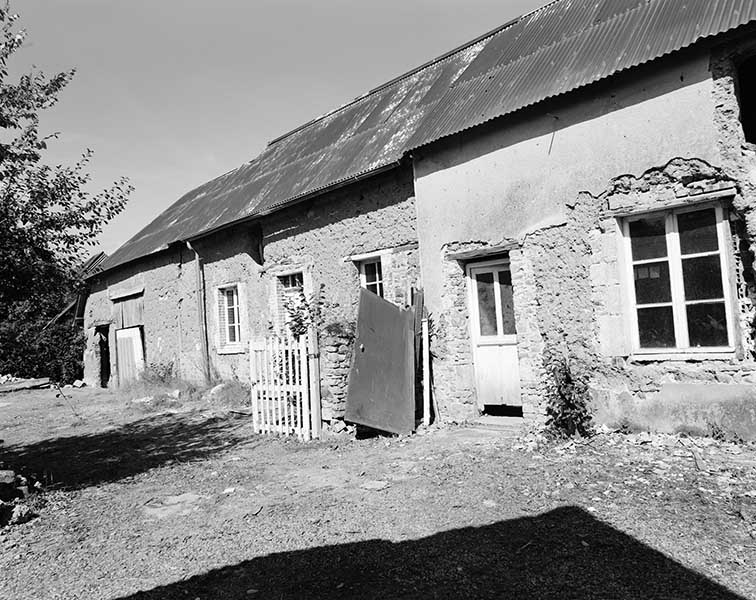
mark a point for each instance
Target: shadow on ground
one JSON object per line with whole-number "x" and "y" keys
{"x": 564, "y": 554}
{"x": 84, "y": 460}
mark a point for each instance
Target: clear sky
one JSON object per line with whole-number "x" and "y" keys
{"x": 172, "y": 93}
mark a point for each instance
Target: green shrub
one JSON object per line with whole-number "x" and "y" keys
{"x": 567, "y": 399}
{"x": 302, "y": 313}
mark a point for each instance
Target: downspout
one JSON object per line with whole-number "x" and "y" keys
{"x": 201, "y": 316}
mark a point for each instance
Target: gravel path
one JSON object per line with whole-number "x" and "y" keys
{"x": 192, "y": 505}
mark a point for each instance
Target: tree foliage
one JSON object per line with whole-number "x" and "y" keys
{"x": 49, "y": 221}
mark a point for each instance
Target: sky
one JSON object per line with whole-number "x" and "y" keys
{"x": 172, "y": 93}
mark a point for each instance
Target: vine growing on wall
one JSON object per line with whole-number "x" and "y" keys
{"x": 567, "y": 395}
{"x": 302, "y": 312}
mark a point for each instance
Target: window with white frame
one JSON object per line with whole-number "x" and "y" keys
{"x": 680, "y": 288}
{"x": 290, "y": 289}
{"x": 371, "y": 275}
{"x": 229, "y": 317}
{"x": 292, "y": 283}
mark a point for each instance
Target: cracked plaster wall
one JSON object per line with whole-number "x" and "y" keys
{"x": 314, "y": 237}
{"x": 170, "y": 315}
{"x": 549, "y": 182}
{"x": 317, "y": 237}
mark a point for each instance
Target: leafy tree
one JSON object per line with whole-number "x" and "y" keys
{"x": 49, "y": 222}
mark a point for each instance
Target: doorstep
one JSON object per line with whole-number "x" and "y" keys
{"x": 506, "y": 425}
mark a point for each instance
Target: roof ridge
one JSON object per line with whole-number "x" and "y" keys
{"x": 570, "y": 36}
{"x": 441, "y": 105}
{"x": 414, "y": 71}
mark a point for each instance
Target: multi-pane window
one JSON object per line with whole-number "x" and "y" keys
{"x": 229, "y": 325}
{"x": 290, "y": 288}
{"x": 680, "y": 286}
{"x": 371, "y": 276}
{"x": 292, "y": 284}
{"x": 494, "y": 299}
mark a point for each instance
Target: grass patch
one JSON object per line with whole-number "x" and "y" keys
{"x": 230, "y": 394}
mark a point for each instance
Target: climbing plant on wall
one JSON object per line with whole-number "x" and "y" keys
{"x": 567, "y": 394}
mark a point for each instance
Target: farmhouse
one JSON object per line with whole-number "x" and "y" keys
{"x": 579, "y": 182}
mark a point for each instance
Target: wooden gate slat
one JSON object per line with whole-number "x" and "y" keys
{"x": 305, "y": 379}
{"x": 268, "y": 374}
{"x": 299, "y": 397}
{"x": 281, "y": 393}
{"x": 253, "y": 384}
{"x": 287, "y": 382}
{"x": 279, "y": 389}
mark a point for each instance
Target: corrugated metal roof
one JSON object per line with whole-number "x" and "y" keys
{"x": 366, "y": 135}
{"x": 558, "y": 48}
{"x": 92, "y": 265}
{"x": 567, "y": 45}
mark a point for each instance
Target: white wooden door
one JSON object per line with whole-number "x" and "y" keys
{"x": 494, "y": 336}
{"x": 130, "y": 354}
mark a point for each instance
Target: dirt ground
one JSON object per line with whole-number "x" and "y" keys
{"x": 191, "y": 504}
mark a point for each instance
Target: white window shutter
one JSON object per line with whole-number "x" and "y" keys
{"x": 222, "y": 321}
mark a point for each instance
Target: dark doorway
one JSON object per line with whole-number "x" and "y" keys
{"x": 746, "y": 84}
{"x": 102, "y": 332}
{"x": 502, "y": 410}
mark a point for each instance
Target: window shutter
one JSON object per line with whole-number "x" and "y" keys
{"x": 281, "y": 312}
{"x": 232, "y": 314}
{"x": 222, "y": 322}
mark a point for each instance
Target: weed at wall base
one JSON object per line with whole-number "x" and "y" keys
{"x": 567, "y": 398}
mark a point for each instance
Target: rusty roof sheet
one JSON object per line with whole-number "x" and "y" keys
{"x": 364, "y": 136}
{"x": 558, "y": 48}
{"x": 569, "y": 44}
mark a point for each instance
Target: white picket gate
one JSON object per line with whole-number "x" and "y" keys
{"x": 285, "y": 386}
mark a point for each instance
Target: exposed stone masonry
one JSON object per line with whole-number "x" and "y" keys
{"x": 315, "y": 238}
{"x": 570, "y": 288}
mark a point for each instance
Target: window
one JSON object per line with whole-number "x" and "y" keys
{"x": 229, "y": 325}
{"x": 680, "y": 289}
{"x": 371, "y": 276}
{"x": 746, "y": 78}
{"x": 292, "y": 284}
{"x": 493, "y": 301}
{"x": 290, "y": 288}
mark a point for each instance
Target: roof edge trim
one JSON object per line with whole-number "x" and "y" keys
{"x": 294, "y": 201}
{"x": 257, "y": 216}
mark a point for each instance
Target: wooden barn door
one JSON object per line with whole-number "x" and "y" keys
{"x": 130, "y": 354}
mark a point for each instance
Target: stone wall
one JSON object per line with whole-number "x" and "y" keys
{"x": 569, "y": 300}
{"x": 600, "y": 338}
{"x": 170, "y": 325}
{"x": 570, "y": 292}
{"x": 231, "y": 258}
{"x": 315, "y": 237}
{"x": 517, "y": 174}
{"x": 451, "y": 351}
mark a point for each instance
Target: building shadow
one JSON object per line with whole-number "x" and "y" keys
{"x": 562, "y": 554}
{"x": 84, "y": 460}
